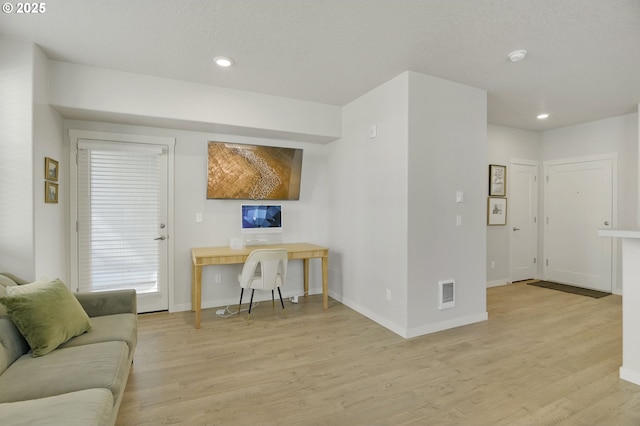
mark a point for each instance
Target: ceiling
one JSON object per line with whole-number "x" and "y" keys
{"x": 583, "y": 60}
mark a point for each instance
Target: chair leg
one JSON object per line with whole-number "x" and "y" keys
{"x": 240, "y": 303}
{"x": 250, "y": 303}
{"x": 273, "y": 303}
{"x": 282, "y": 303}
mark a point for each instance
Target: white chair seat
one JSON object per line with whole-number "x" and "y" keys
{"x": 264, "y": 269}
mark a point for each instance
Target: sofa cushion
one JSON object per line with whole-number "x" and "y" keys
{"x": 83, "y": 408}
{"x": 101, "y": 365}
{"x": 109, "y": 328}
{"x": 47, "y": 317}
{"x": 12, "y": 344}
{"x": 4, "y": 283}
{"x": 17, "y": 280}
{"x": 101, "y": 303}
{"x": 28, "y": 288}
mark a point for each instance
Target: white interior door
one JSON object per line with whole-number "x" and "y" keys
{"x": 122, "y": 227}
{"x": 579, "y": 201}
{"x": 523, "y": 226}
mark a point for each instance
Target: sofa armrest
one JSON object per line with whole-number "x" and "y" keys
{"x": 108, "y": 302}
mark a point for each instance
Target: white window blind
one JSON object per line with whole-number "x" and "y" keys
{"x": 120, "y": 216}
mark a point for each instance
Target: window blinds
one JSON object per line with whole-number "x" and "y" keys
{"x": 120, "y": 201}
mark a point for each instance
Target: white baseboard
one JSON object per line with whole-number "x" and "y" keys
{"x": 369, "y": 314}
{"x": 413, "y": 332}
{"x": 446, "y": 325}
{"x": 630, "y": 375}
{"x": 259, "y": 297}
{"x": 497, "y": 283}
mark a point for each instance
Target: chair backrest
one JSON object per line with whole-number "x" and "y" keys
{"x": 272, "y": 272}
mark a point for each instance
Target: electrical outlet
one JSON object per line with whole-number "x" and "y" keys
{"x": 493, "y": 264}
{"x": 218, "y": 279}
{"x": 389, "y": 295}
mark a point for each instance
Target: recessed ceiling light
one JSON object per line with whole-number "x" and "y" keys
{"x": 542, "y": 116}
{"x": 517, "y": 55}
{"x": 223, "y": 61}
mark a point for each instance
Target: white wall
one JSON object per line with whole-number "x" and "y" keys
{"x": 505, "y": 144}
{"x": 32, "y": 234}
{"x": 119, "y": 96}
{"x": 392, "y": 204}
{"x": 16, "y": 158}
{"x": 367, "y": 181}
{"x": 611, "y": 135}
{"x": 447, "y": 153}
{"x": 304, "y": 220}
{"x": 50, "y": 223}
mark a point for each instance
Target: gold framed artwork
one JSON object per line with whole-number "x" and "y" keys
{"x": 253, "y": 172}
{"x": 50, "y": 169}
{"x": 497, "y": 180}
{"x": 496, "y": 211}
{"x": 50, "y": 192}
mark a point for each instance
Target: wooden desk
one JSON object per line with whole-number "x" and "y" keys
{"x": 206, "y": 256}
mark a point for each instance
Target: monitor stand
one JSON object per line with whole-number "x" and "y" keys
{"x": 257, "y": 240}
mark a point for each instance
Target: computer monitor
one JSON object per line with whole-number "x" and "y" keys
{"x": 260, "y": 219}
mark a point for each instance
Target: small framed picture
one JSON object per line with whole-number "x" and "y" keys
{"x": 50, "y": 169}
{"x": 496, "y": 211}
{"x": 50, "y": 192}
{"x": 497, "y": 180}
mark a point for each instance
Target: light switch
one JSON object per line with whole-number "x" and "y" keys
{"x": 459, "y": 197}
{"x": 373, "y": 131}
{"x": 198, "y": 217}
{"x": 459, "y": 220}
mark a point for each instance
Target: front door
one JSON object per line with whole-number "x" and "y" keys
{"x": 579, "y": 201}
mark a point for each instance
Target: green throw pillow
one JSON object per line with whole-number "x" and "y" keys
{"x": 47, "y": 317}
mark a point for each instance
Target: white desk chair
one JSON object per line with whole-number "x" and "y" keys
{"x": 264, "y": 269}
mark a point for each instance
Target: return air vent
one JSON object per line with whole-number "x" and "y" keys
{"x": 447, "y": 294}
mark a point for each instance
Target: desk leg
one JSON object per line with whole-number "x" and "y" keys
{"x": 193, "y": 288}
{"x": 197, "y": 293}
{"x": 325, "y": 282}
{"x": 305, "y": 263}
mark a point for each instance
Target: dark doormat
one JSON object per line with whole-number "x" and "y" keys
{"x": 570, "y": 289}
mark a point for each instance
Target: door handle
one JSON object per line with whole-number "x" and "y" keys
{"x": 516, "y": 229}
{"x": 606, "y": 223}
{"x": 160, "y": 238}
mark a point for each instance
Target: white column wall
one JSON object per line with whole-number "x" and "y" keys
{"x": 392, "y": 204}
{"x": 367, "y": 179}
{"x": 50, "y": 223}
{"x": 447, "y": 153}
{"x": 16, "y": 158}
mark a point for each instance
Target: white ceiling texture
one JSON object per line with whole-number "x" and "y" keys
{"x": 583, "y": 60}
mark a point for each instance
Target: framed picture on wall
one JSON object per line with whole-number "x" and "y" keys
{"x": 497, "y": 180}
{"x": 50, "y": 192}
{"x": 50, "y": 169}
{"x": 496, "y": 211}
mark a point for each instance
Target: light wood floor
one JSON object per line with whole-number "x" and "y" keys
{"x": 543, "y": 358}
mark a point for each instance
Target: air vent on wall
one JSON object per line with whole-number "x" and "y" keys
{"x": 447, "y": 294}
